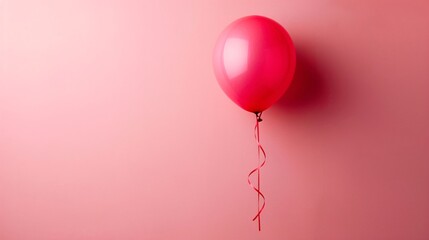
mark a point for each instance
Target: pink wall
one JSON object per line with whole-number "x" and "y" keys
{"x": 112, "y": 125}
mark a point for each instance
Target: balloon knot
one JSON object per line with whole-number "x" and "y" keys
{"x": 258, "y": 116}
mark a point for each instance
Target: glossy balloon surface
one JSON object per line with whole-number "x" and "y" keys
{"x": 254, "y": 62}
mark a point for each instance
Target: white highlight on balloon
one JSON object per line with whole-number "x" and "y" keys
{"x": 235, "y": 56}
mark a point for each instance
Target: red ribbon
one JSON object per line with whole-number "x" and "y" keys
{"x": 258, "y": 171}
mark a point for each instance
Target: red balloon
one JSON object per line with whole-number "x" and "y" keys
{"x": 254, "y": 62}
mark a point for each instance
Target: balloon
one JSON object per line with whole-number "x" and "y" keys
{"x": 254, "y": 61}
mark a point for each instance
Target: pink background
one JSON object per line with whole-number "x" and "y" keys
{"x": 112, "y": 125}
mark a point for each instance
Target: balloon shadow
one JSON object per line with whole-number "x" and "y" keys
{"x": 308, "y": 88}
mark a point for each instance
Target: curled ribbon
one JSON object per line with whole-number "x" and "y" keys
{"x": 258, "y": 171}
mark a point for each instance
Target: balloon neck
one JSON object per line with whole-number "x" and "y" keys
{"x": 258, "y": 116}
